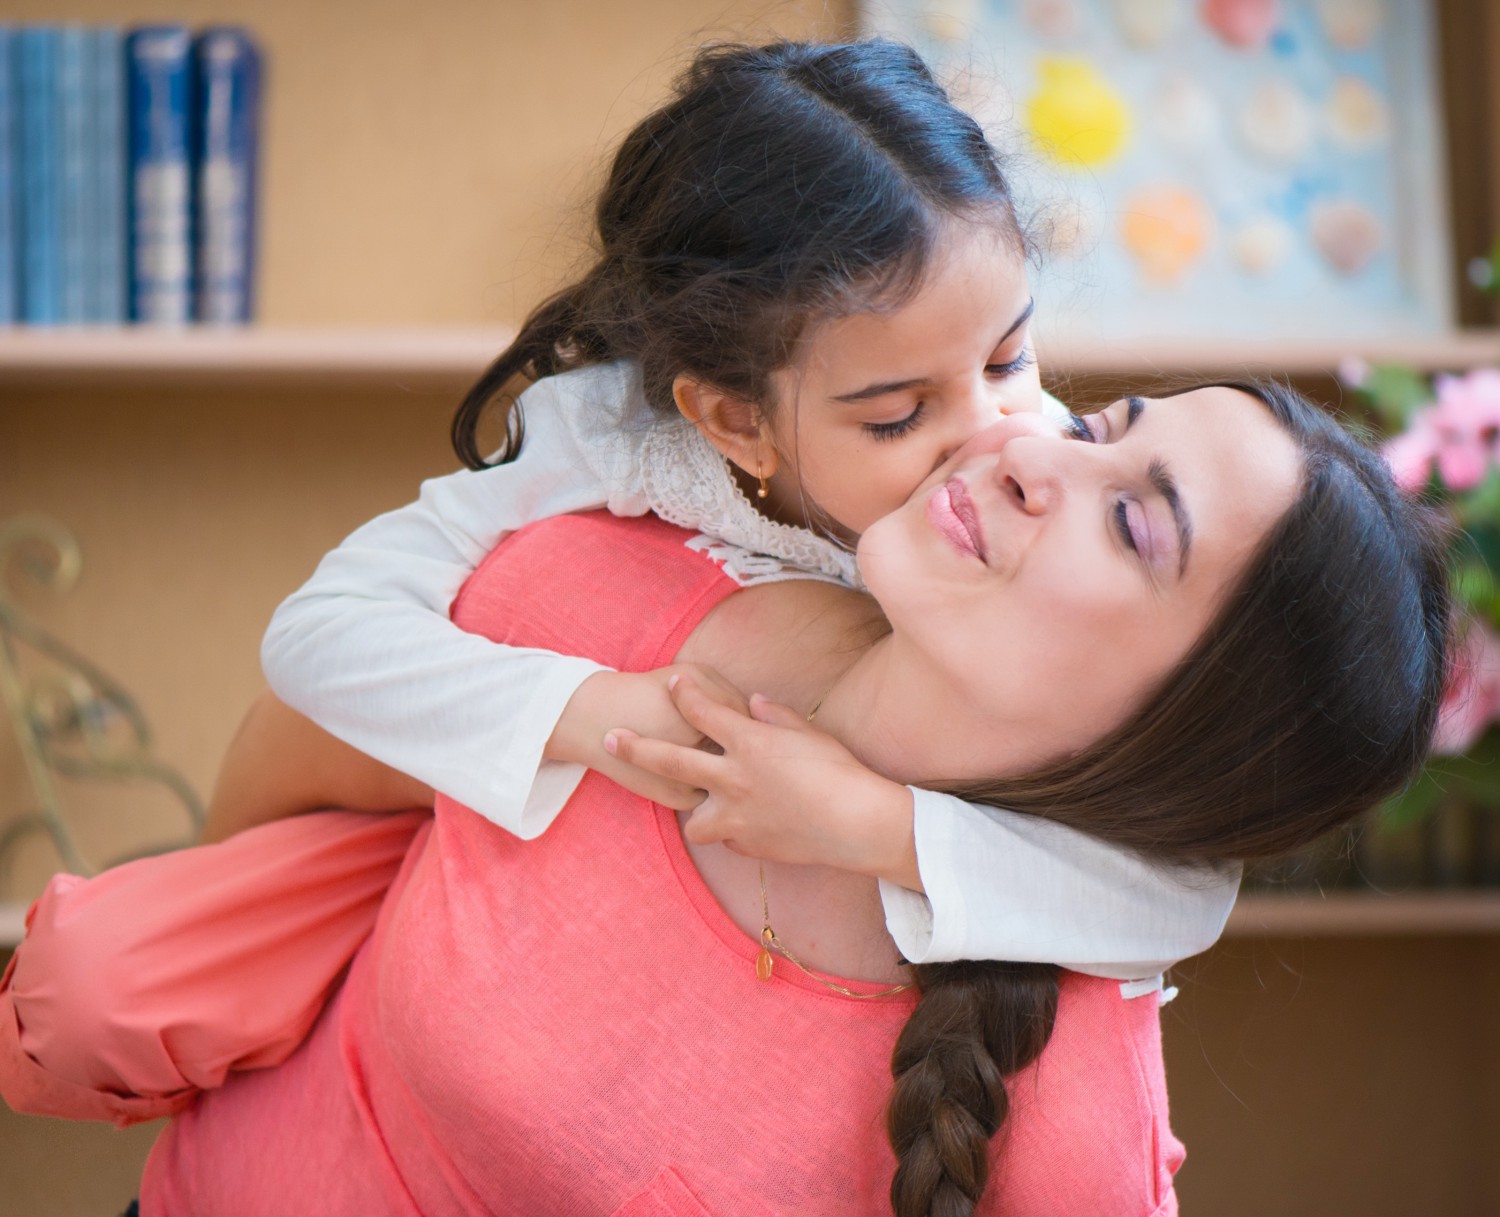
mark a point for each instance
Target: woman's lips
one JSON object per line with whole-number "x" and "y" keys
{"x": 952, "y": 513}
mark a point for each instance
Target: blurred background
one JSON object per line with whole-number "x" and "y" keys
{"x": 1302, "y": 187}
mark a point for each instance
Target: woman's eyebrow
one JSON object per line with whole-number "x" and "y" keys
{"x": 896, "y": 386}
{"x": 1166, "y": 485}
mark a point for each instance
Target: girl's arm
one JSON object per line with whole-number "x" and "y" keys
{"x": 282, "y": 764}
{"x": 958, "y": 881}
{"x": 365, "y": 649}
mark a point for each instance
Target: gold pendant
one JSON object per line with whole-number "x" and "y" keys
{"x": 763, "y": 961}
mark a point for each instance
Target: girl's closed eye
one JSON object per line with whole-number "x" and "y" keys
{"x": 898, "y": 427}
{"x": 1015, "y": 367}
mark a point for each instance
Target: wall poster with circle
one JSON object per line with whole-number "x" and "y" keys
{"x": 1210, "y": 169}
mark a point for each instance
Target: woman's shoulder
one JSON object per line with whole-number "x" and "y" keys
{"x": 615, "y": 590}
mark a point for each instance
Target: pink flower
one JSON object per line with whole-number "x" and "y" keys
{"x": 1466, "y": 417}
{"x": 1471, "y": 702}
{"x": 1354, "y": 371}
{"x": 1462, "y": 463}
{"x": 1459, "y": 431}
{"x": 1411, "y": 454}
{"x": 1469, "y": 403}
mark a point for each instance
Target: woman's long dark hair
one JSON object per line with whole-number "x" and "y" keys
{"x": 779, "y": 185}
{"x": 1312, "y": 696}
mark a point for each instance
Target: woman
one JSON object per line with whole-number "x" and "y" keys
{"x": 1207, "y": 628}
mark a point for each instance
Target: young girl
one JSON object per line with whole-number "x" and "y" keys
{"x": 810, "y": 291}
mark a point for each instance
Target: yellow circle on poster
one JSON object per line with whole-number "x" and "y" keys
{"x": 1074, "y": 116}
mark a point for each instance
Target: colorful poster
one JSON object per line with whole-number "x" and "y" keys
{"x": 1210, "y": 168}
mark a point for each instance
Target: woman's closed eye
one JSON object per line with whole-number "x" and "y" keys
{"x": 1078, "y": 428}
{"x": 1129, "y": 525}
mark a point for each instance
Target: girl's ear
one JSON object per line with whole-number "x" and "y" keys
{"x": 736, "y": 427}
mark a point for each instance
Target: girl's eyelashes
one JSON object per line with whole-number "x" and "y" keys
{"x": 902, "y": 426}
{"x": 1017, "y": 365}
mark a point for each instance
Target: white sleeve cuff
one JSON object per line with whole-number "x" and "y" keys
{"x": 1006, "y": 886}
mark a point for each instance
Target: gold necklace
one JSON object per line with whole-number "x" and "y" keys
{"x": 765, "y": 963}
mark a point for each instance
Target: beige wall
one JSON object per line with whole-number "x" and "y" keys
{"x": 432, "y": 162}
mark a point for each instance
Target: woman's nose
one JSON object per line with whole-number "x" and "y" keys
{"x": 1034, "y": 466}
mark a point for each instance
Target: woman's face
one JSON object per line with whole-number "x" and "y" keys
{"x": 1052, "y": 580}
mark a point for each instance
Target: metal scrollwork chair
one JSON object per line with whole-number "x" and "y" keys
{"x": 71, "y": 719}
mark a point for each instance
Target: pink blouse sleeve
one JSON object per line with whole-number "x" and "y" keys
{"x": 135, "y": 989}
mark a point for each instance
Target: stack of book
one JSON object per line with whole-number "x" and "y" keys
{"x": 127, "y": 175}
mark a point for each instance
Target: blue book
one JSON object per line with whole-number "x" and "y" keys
{"x": 10, "y": 304}
{"x": 159, "y": 87}
{"x": 75, "y": 151}
{"x": 41, "y": 185}
{"x": 109, "y": 302}
{"x": 228, "y": 85}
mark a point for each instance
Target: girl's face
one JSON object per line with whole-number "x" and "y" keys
{"x": 878, "y": 400}
{"x": 1051, "y": 580}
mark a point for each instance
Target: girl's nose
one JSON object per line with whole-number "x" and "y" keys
{"x": 967, "y": 417}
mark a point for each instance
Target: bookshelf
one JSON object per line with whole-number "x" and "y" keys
{"x": 420, "y": 192}
{"x": 450, "y": 356}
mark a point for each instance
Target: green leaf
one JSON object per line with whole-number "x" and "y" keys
{"x": 1395, "y": 392}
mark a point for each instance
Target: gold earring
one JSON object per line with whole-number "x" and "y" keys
{"x": 760, "y": 477}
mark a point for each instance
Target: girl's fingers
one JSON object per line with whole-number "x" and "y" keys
{"x": 689, "y": 766}
{"x": 701, "y": 828}
{"x": 713, "y": 718}
{"x": 764, "y": 710}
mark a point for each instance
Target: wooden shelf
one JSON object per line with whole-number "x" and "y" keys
{"x": 1454, "y": 352}
{"x": 1368, "y": 914}
{"x": 12, "y": 922}
{"x": 416, "y": 357}
{"x": 430, "y": 357}
{"x": 1257, "y": 915}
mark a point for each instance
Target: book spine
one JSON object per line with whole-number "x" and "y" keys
{"x": 41, "y": 250}
{"x": 9, "y": 184}
{"x": 228, "y": 68}
{"x": 159, "y": 86}
{"x": 110, "y": 304}
{"x": 75, "y": 180}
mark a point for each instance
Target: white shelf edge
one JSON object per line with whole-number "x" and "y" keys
{"x": 65, "y": 355}
{"x": 1457, "y": 351}
{"x": 253, "y": 353}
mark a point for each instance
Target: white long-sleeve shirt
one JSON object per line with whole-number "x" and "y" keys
{"x": 366, "y": 650}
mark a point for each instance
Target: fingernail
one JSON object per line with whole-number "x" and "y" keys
{"x": 672, "y": 680}
{"x": 611, "y": 742}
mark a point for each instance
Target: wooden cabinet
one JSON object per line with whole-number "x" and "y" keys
{"x": 427, "y": 173}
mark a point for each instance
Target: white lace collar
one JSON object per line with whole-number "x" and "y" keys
{"x": 686, "y": 481}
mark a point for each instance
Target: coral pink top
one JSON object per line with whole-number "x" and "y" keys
{"x": 573, "y": 1026}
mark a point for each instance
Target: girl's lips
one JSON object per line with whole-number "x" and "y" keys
{"x": 952, "y": 513}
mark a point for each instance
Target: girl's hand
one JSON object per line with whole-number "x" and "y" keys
{"x": 779, "y": 789}
{"x": 641, "y": 702}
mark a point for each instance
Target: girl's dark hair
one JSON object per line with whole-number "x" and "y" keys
{"x": 1311, "y": 696}
{"x": 780, "y": 184}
